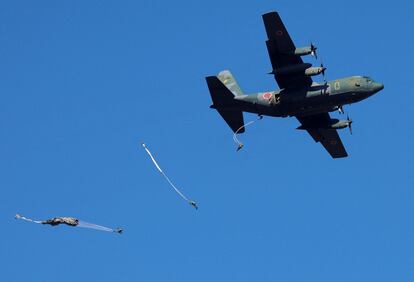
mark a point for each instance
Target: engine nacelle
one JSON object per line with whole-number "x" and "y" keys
{"x": 303, "y": 51}
{"x": 304, "y": 68}
{"x": 333, "y": 124}
{"x": 314, "y": 71}
{"x": 339, "y": 124}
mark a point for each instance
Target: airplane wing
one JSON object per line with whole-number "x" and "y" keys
{"x": 281, "y": 48}
{"x": 329, "y": 138}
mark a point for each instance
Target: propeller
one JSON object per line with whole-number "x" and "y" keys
{"x": 313, "y": 50}
{"x": 323, "y": 70}
{"x": 325, "y": 83}
{"x": 324, "y": 89}
{"x": 349, "y": 123}
{"x": 341, "y": 110}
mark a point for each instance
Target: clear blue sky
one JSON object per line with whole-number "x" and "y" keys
{"x": 83, "y": 82}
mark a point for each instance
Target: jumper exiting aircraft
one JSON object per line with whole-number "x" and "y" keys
{"x": 299, "y": 96}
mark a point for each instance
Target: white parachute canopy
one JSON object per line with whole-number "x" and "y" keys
{"x": 192, "y": 203}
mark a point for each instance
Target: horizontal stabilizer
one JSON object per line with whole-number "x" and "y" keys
{"x": 223, "y": 97}
{"x": 234, "y": 119}
{"x": 220, "y": 94}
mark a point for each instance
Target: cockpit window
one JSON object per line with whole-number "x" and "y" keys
{"x": 357, "y": 84}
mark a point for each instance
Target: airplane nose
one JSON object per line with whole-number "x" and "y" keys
{"x": 378, "y": 86}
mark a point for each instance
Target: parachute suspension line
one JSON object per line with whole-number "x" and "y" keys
{"x": 240, "y": 144}
{"x": 192, "y": 203}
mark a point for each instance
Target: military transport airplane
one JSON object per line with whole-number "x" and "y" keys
{"x": 299, "y": 96}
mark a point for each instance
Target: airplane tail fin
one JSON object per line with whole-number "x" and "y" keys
{"x": 223, "y": 99}
{"x": 228, "y": 79}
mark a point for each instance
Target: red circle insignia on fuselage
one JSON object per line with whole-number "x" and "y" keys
{"x": 279, "y": 33}
{"x": 267, "y": 96}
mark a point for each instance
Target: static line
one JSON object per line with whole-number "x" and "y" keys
{"x": 194, "y": 204}
{"x": 240, "y": 144}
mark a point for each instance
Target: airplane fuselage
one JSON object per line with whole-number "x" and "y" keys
{"x": 317, "y": 98}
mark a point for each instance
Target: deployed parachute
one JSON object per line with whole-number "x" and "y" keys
{"x": 71, "y": 221}
{"x": 192, "y": 203}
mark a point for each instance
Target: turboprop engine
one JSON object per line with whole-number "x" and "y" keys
{"x": 339, "y": 124}
{"x": 303, "y": 51}
{"x": 333, "y": 124}
{"x": 305, "y": 68}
